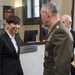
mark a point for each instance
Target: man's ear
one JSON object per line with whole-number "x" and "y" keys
{"x": 70, "y": 23}
{"x": 47, "y": 14}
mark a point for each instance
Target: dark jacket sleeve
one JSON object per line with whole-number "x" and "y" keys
{"x": 73, "y": 34}
{"x": 1, "y": 52}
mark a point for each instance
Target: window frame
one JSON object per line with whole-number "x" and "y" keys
{"x": 33, "y": 20}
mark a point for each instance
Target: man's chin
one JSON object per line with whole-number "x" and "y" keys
{"x": 45, "y": 25}
{"x": 16, "y": 32}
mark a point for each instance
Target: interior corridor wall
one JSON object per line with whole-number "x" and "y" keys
{"x": 7, "y": 2}
{"x": 74, "y": 17}
{"x": 65, "y": 6}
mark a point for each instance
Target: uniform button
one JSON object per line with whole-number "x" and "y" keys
{"x": 57, "y": 26}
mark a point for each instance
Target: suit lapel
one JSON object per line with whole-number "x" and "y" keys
{"x": 10, "y": 44}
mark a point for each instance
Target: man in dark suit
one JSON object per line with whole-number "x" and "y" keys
{"x": 10, "y": 48}
{"x": 67, "y": 21}
{"x": 59, "y": 42}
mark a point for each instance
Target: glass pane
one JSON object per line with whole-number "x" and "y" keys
{"x": 36, "y": 8}
{"x": 36, "y": 2}
{"x": 28, "y": 8}
{"x": 36, "y": 12}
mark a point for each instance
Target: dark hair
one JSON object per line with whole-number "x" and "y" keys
{"x": 13, "y": 19}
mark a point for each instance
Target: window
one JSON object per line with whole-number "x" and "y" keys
{"x": 31, "y": 12}
{"x": 32, "y": 8}
{"x": 36, "y": 8}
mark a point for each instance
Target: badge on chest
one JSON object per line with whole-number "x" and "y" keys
{"x": 46, "y": 54}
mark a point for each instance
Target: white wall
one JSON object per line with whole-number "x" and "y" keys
{"x": 32, "y": 63}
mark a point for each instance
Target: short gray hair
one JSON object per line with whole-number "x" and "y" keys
{"x": 51, "y": 7}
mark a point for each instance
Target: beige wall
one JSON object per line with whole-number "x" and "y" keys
{"x": 7, "y": 2}
{"x": 65, "y": 6}
{"x": 74, "y": 17}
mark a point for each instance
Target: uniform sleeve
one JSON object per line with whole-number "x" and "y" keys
{"x": 62, "y": 46}
{"x": 1, "y": 52}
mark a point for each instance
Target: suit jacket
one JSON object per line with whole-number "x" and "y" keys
{"x": 73, "y": 34}
{"x": 59, "y": 44}
{"x": 9, "y": 59}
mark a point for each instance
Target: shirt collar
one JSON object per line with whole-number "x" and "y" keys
{"x": 69, "y": 28}
{"x": 11, "y": 37}
{"x": 53, "y": 25}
